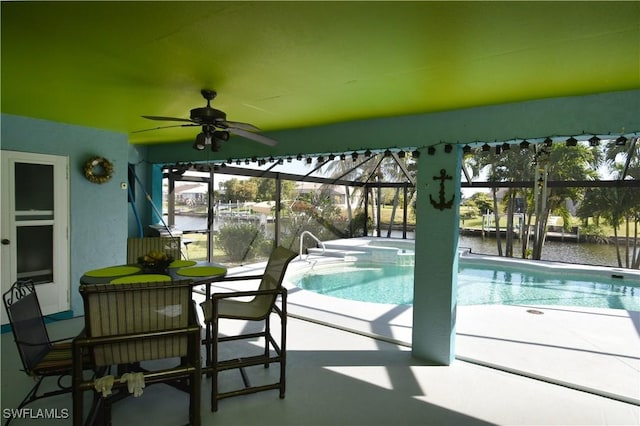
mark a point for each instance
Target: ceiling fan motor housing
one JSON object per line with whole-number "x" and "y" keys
{"x": 215, "y": 127}
{"x": 207, "y": 115}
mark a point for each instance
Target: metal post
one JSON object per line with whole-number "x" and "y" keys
{"x": 405, "y": 205}
{"x": 277, "y": 215}
{"x": 366, "y": 210}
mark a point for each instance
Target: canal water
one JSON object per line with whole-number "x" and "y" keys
{"x": 580, "y": 253}
{"x": 556, "y": 251}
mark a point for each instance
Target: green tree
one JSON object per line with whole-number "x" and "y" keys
{"x": 512, "y": 165}
{"x": 373, "y": 169}
{"x": 481, "y": 201}
{"x": 353, "y": 169}
{"x": 240, "y": 190}
{"x": 266, "y": 189}
{"x": 618, "y": 200}
{"x": 622, "y": 205}
{"x": 593, "y": 205}
{"x": 507, "y": 165}
{"x": 618, "y": 206}
{"x": 561, "y": 163}
{"x": 540, "y": 164}
{"x": 242, "y": 241}
{"x": 315, "y": 212}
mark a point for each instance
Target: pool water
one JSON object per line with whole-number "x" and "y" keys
{"x": 477, "y": 285}
{"x": 378, "y": 283}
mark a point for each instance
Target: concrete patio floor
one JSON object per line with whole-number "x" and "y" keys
{"x": 593, "y": 349}
{"x": 350, "y": 363}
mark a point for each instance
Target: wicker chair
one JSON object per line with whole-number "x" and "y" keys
{"x": 126, "y": 324}
{"x": 263, "y": 302}
{"x": 137, "y": 247}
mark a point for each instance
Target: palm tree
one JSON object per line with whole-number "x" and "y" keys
{"x": 376, "y": 168}
{"x": 352, "y": 170}
{"x": 475, "y": 163}
{"x": 507, "y": 165}
{"x": 619, "y": 205}
{"x": 514, "y": 165}
{"x": 556, "y": 162}
{"x": 564, "y": 163}
{"x": 396, "y": 169}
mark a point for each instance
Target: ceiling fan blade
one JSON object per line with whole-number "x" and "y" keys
{"x": 154, "y": 117}
{"x": 165, "y": 127}
{"x": 253, "y": 136}
{"x": 238, "y": 125}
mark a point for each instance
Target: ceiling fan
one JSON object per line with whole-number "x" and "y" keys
{"x": 215, "y": 126}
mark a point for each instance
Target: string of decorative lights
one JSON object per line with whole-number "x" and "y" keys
{"x": 593, "y": 139}
{"x": 322, "y": 157}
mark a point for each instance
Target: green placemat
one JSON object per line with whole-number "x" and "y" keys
{"x": 113, "y": 271}
{"x": 201, "y": 271}
{"x": 141, "y": 278}
{"x": 181, "y": 263}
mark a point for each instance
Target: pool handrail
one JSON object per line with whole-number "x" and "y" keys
{"x": 315, "y": 238}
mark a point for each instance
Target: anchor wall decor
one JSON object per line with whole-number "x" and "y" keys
{"x": 442, "y": 204}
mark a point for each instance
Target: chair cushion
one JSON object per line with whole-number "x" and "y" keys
{"x": 255, "y": 309}
{"x": 58, "y": 359}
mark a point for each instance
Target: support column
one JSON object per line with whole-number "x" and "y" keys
{"x": 436, "y": 264}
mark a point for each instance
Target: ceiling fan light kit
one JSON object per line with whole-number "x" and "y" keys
{"x": 201, "y": 142}
{"x": 215, "y": 126}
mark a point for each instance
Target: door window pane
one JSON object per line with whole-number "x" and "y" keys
{"x": 34, "y": 187}
{"x": 35, "y": 253}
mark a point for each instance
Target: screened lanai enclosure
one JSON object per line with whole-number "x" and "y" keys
{"x": 580, "y": 188}
{"x": 238, "y": 210}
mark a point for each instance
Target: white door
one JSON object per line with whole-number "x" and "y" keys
{"x": 35, "y": 218}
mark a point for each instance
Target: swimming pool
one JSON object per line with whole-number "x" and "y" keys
{"x": 479, "y": 283}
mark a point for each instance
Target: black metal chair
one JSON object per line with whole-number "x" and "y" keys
{"x": 41, "y": 357}
{"x": 126, "y": 324}
{"x": 262, "y": 304}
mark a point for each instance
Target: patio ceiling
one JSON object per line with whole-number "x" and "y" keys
{"x": 281, "y": 65}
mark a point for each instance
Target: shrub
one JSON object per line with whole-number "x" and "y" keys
{"x": 594, "y": 234}
{"x": 242, "y": 241}
{"x": 358, "y": 222}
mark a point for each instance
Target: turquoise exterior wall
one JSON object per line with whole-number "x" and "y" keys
{"x": 98, "y": 223}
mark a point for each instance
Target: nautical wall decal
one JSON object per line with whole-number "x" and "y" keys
{"x": 442, "y": 204}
